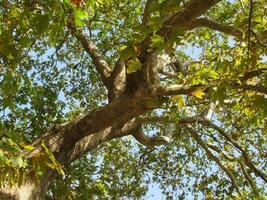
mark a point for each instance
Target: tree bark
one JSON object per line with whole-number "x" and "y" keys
{"x": 29, "y": 190}
{"x": 130, "y": 96}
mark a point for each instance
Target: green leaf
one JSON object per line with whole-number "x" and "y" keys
{"x": 157, "y": 42}
{"x": 127, "y": 51}
{"x": 15, "y": 12}
{"x": 257, "y": 18}
{"x": 49, "y": 152}
{"x": 55, "y": 164}
{"x": 133, "y": 66}
{"x": 265, "y": 79}
{"x": 219, "y": 93}
{"x": 2, "y": 156}
{"x": 41, "y": 22}
{"x": 18, "y": 162}
{"x": 79, "y": 16}
{"x": 260, "y": 103}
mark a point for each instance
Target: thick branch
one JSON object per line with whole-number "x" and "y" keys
{"x": 205, "y": 22}
{"x": 99, "y": 61}
{"x": 122, "y": 109}
{"x": 191, "y": 11}
{"x": 185, "y": 16}
{"x": 154, "y": 63}
{"x": 187, "y": 89}
{"x": 151, "y": 67}
{"x": 89, "y": 142}
{"x": 117, "y": 80}
{"x": 69, "y": 155}
{"x": 60, "y": 138}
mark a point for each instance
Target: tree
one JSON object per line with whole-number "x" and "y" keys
{"x": 82, "y": 81}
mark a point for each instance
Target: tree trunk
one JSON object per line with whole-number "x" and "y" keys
{"x": 29, "y": 190}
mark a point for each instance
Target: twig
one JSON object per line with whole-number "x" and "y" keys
{"x": 210, "y": 155}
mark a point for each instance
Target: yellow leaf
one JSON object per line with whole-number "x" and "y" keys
{"x": 28, "y": 147}
{"x": 198, "y": 93}
{"x": 123, "y": 47}
{"x": 179, "y": 100}
{"x": 237, "y": 63}
{"x": 209, "y": 196}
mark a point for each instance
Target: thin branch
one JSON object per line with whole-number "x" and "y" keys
{"x": 142, "y": 156}
{"x": 258, "y": 40}
{"x": 211, "y": 156}
{"x": 222, "y": 153}
{"x": 99, "y": 61}
{"x": 157, "y": 119}
{"x": 146, "y": 14}
{"x": 248, "y": 177}
{"x": 60, "y": 44}
{"x": 188, "y": 89}
{"x": 212, "y": 107}
{"x": 256, "y": 88}
{"x": 209, "y": 124}
{"x": 252, "y": 74}
{"x": 248, "y": 161}
{"x": 251, "y": 165}
{"x": 175, "y": 89}
{"x": 168, "y": 74}
{"x": 205, "y": 22}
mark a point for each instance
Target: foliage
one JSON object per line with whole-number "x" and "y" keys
{"x": 102, "y": 175}
{"x": 47, "y": 78}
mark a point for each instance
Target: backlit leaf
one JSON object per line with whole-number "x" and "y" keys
{"x": 198, "y": 93}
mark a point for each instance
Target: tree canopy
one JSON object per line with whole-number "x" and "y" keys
{"x": 102, "y": 99}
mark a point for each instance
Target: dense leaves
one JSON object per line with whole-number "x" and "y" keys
{"x": 47, "y": 78}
